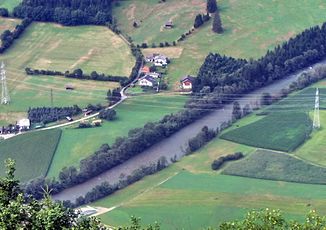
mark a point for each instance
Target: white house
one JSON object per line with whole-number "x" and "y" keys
{"x": 24, "y": 123}
{"x": 147, "y": 81}
{"x": 157, "y": 59}
{"x": 154, "y": 75}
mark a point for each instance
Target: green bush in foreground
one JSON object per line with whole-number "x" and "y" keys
{"x": 264, "y": 164}
{"x": 278, "y": 131}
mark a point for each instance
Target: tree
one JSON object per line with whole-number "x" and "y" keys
{"x": 217, "y": 23}
{"x": 4, "y": 12}
{"x": 246, "y": 110}
{"x": 198, "y": 21}
{"x": 266, "y": 99}
{"x": 18, "y": 211}
{"x": 107, "y": 114}
{"x": 273, "y": 219}
{"x": 236, "y": 113}
{"x": 211, "y": 6}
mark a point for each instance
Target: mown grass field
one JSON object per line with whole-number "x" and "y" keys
{"x": 76, "y": 144}
{"x": 51, "y": 46}
{"x": 270, "y": 165}
{"x": 152, "y": 17}
{"x": 251, "y": 28}
{"x": 9, "y": 4}
{"x": 32, "y": 152}
{"x": 201, "y": 197}
{"x": 314, "y": 148}
{"x": 278, "y": 131}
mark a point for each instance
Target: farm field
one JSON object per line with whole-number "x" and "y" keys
{"x": 152, "y": 17}
{"x": 206, "y": 199}
{"x": 278, "y": 131}
{"x": 37, "y": 89}
{"x": 265, "y": 164}
{"x": 76, "y": 144}
{"x": 51, "y": 46}
{"x": 250, "y": 29}
{"x": 314, "y": 148}
{"x": 32, "y": 152}
{"x": 9, "y": 4}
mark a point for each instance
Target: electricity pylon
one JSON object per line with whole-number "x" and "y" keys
{"x": 5, "y": 98}
{"x": 316, "y": 123}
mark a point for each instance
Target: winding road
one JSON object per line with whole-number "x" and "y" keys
{"x": 175, "y": 144}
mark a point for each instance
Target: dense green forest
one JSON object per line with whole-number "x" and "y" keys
{"x": 66, "y": 12}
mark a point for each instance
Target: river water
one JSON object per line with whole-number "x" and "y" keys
{"x": 175, "y": 144}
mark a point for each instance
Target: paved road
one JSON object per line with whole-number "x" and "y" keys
{"x": 174, "y": 145}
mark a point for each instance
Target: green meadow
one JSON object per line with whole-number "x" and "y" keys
{"x": 77, "y": 144}
{"x": 33, "y": 153}
{"x": 251, "y": 28}
{"x": 54, "y": 47}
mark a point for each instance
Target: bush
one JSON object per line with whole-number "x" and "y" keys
{"x": 217, "y": 164}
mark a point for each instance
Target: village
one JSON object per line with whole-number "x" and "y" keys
{"x": 151, "y": 76}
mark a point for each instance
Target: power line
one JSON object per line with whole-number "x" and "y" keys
{"x": 5, "y": 98}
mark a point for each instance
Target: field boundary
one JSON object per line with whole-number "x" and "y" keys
{"x": 54, "y": 152}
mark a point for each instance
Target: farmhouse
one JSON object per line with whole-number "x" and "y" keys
{"x": 168, "y": 24}
{"x": 187, "y": 82}
{"x": 147, "y": 81}
{"x": 24, "y": 124}
{"x": 157, "y": 59}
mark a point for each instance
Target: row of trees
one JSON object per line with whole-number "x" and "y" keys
{"x": 106, "y": 189}
{"x": 204, "y": 136}
{"x": 66, "y": 12}
{"x": 218, "y": 163}
{"x": 8, "y": 37}
{"x": 51, "y": 114}
{"x": 200, "y": 19}
{"x": 78, "y": 74}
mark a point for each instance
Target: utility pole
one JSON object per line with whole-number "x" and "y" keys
{"x": 316, "y": 124}
{"x": 5, "y": 98}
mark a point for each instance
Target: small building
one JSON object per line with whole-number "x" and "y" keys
{"x": 69, "y": 87}
{"x": 147, "y": 81}
{"x": 154, "y": 75}
{"x": 24, "y": 124}
{"x": 157, "y": 59}
{"x": 168, "y": 24}
{"x": 145, "y": 69}
{"x": 97, "y": 122}
{"x": 187, "y": 82}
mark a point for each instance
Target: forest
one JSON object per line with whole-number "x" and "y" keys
{"x": 66, "y": 12}
{"x": 229, "y": 75}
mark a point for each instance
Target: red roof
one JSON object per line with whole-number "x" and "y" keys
{"x": 145, "y": 69}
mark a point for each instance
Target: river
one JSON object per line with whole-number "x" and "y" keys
{"x": 175, "y": 144}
